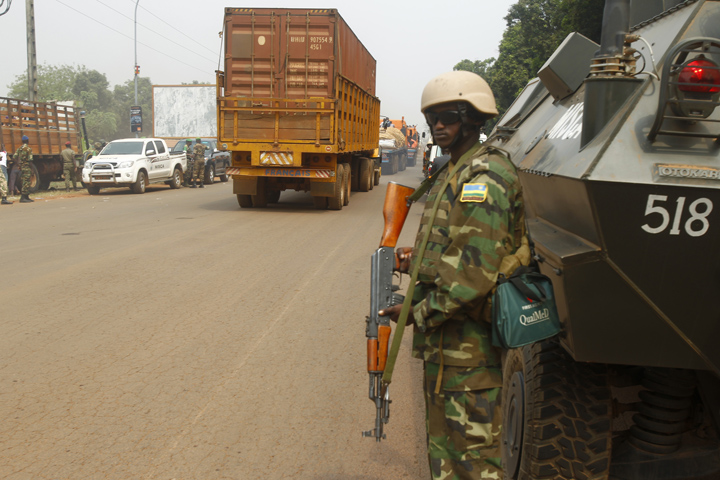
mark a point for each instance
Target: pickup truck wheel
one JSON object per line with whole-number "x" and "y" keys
{"x": 209, "y": 175}
{"x": 176, "y": 180}
{"x": 141, "y": 183}
{"x": 557, "y": 415}
{"x": 224, "y": 176}
{"x": 245, "y": 201}
{"x": 93, "y": 190}
{"x": 337, "y": 201}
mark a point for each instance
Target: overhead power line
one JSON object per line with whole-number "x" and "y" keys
{"x": 127, "y": 36}
{"x": 152, "y": 31}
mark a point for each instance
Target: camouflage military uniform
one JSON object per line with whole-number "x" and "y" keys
{"x": 23, "y": 155}
{"x": 480, "y": 220}
{"x": 199, "y": 167}
{"x": 68, "y": 156}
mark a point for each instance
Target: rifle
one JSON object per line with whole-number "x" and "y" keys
{"x": 382, "y": 295}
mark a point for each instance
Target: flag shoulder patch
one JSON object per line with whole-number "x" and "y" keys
{"x": 474, "y": 192}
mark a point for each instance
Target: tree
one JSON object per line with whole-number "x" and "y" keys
{"x": 535, "y": 28}
{"x": 54, "y": 83}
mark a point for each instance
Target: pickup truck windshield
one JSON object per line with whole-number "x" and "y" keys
{"x": 123, "y": 148}
{"x": 180, "y": 146}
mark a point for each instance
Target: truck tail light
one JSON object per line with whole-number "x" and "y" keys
{"x": 700, "y": 76}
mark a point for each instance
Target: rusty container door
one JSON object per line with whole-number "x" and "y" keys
{"x": 292, "y": 53}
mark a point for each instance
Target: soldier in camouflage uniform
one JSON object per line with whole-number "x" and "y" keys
{"x": 189, "y": 155}
{"x": 68, "y": 156}
{"x": 199, "y": 167}
{"x": 478, "y": 229}
{"x": 23, "y": 155}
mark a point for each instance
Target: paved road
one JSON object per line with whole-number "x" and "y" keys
{"x": 172, "y": 335}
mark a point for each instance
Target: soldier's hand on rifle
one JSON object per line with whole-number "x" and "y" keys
{"x": 394, "y": 313}
{"x": 403, "y": 257}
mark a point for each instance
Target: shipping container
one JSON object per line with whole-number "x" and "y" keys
{"x": 297, "y": 106}
{"x": 48, "y": 126}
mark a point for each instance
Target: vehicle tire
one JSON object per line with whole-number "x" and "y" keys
{"x": 402, "y": 162}
{"x": 44, "y": 183}
{"x": 365, "y": 175}
{"x": 347, "y": 180}
{"x": 141, "y": 183}
{"x": 209, "y": 175}
{"x": 260, "y": 199}
{"x": 224, "y": 176}
{"x": 321, "y": 203}
{"x": 355, "y": 175}
{"x": 273, "y": 196}
{"x": 337, "y": 201}
{"x": 177, "y": 179}
{"x": 93, "y": 190}
{"x": 557, "y": 415}
{"x": 245, "y": 201}
{"x": 376, "y": 177}
{"x": 394, "y": 165}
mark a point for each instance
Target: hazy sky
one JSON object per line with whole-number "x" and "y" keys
{"x": 178, "y": 40}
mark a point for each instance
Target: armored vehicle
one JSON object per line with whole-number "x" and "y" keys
{"x": 618, "y": 150}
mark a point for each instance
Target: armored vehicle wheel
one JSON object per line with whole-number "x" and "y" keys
{"x": 321, "y": 203}
{"x": 556, "y": 416}
{"x": 364, "y": 175}
{"x": 176, "y": 180}
{"x": 93, "y": 190}
{"x": 337, "y": 201}
{"x": 245, "y": 201}
{"x": 141, "y": 183}
{"x": 209, "y": 175}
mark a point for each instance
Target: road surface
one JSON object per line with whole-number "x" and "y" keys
{"x": 172, "y": 335}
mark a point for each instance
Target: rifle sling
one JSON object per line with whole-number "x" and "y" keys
{"x": 402, "y": 320}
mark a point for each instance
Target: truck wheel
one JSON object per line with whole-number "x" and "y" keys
{"x": 557, "y": 415}
{"x": 321, "y": 203}
{"x": 44, "y": 183}
{"x": 402, "y": 162}
{"x": 141, "y": 183}
{"x": 93, "y": 190}
{"x": 355, "y": 174}
{"x": 364, "y": 175}
{"x": 260, "y": 200}
{"x": 245, "y": 201}
{"x": 209, "y": 175}
{"x": 176, "y": 180}
{"x": 347, "y": 180}
{"x": 337, "y": 201}
{"x": 376, "y": 177}
{"x": 273, "y": 196}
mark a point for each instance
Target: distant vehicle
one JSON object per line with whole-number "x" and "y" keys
{"x": 216, "y": 161}
{"x": 436, "y": 159}
{"x": 134, "y": 163}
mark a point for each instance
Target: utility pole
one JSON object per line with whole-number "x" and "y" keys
{"x": 32, "y": 56}
{"x": 137, "y": 69}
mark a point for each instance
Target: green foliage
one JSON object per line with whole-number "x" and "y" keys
{"x": 54, "y": 83}
{"x": 535, "y": 28}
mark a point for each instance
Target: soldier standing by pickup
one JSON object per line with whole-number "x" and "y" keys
{"x": 68, "y": 156}
{"x": 189, "y": 170}
{"x": 199, "y": 167}
{"x": 23, "y": 157}
{"x": 475, "y": 217}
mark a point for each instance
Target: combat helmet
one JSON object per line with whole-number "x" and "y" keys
{"x": 459, "y": 86}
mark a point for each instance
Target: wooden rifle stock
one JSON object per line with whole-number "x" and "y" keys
{"x": 395, "y": 211}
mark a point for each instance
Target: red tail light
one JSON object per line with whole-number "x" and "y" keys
{"x": 700, "y": 76}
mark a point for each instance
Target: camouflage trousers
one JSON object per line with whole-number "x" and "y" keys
{"x": 463, "y": 422}
{"x": 69, "y": 174}
{"x": 189, "y": 171}
{"x": 199, "y": 171}
{"x": 25, "y": 174}
{"x": 3, "y": 184}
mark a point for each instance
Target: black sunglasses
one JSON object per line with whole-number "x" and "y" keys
{"x": 447, "y": 117}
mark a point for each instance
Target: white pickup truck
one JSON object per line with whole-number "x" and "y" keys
{"x": 134, "y": 163}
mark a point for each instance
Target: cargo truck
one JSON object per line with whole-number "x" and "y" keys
{"x": 296, "y": 106}
{"x": 48, "y": 126}
{"x": 393, "y": 150}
